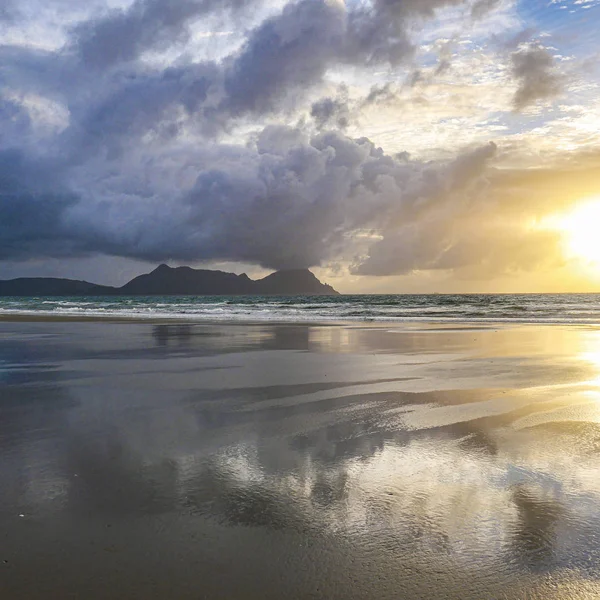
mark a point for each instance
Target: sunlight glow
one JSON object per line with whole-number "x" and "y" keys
{"x": 582, "y": 229}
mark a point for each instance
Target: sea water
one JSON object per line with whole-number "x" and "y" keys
{"x": 521, "y": 308}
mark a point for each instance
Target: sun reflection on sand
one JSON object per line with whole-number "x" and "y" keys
{"x": 466, "y": 456}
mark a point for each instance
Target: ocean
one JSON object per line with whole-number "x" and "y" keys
{"x": 518, "y": 308}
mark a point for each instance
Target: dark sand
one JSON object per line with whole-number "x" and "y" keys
{"x": 172, "y": 461}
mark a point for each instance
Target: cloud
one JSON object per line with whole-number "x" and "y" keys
{"x": 14, "y": 120}
{"x": 286, "y": 54}
{"x": 481, "y": 7}
{"x": 9, "y": 12}
{"x": 386, "y": 93}
{"x": 487, "y": 221}
{"x": 471, "y": 247}
{"x": 33, "y": 202}
{"x": 515, "y": 39}
{"x": 122, "y": 35}
{"x": 156, "y": 102}
{"x": 194, "y": 158}
{"x": 288, "y": 201}
{"x": 423, "y": 228}
{"x": 114, "y": 99}
{"x": 534, "y": 70}
{"x": 332, "y": 112}
{"x": 379, "y": 32}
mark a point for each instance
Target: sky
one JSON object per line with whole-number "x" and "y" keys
{"x": 389, "y": 145}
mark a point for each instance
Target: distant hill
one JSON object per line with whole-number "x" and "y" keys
{"x": 168, "y": 281}
{"x": 298, "y": 282}
{"x": 49, "y": 286}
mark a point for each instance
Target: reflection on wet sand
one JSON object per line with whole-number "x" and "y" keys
{"x": 192, "y": 461}
{"x": 178, "y": 334}
{"x": 534, "y": 537}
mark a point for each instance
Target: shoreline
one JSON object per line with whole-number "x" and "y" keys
{"x": 363, "y": 323}
{"x": 154, "y": 320}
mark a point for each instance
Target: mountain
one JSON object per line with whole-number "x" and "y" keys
{"x": 297, "y": 282}
{"x": 49, "y": 286}
{"x": 168, "y": 281}
{"x": 165, "y": 280}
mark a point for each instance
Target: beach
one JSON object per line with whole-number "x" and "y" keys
{"x": 185, "y": 460}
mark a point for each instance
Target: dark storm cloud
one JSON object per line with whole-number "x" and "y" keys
{"x": 534, "y": 71}
{"x": 33, "y": 202}
{"x": 148, "y": 102}
{"x": 140, "y": 170}
{"x": 286, "y": 53}
{"x": 288, "y": 202}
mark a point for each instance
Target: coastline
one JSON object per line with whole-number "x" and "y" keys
{"x": 372, "y": 323}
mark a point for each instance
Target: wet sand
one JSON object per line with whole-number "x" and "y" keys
{"x": 168, "y": 460}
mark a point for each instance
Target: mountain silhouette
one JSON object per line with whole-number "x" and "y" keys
{"x": 175, "y": 281}
{"x": 51, "y": 286}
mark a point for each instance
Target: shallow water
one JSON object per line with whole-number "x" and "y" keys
{"x": 298, "y": 461}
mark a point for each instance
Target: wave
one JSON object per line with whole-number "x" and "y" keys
{"x": 541, "y": 308}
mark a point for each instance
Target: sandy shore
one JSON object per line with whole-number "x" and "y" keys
{"x": 37, "y": 317}
{"x": 176, "y": 460}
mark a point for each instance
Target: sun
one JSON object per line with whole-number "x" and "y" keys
{"x": 582, "y": 231}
